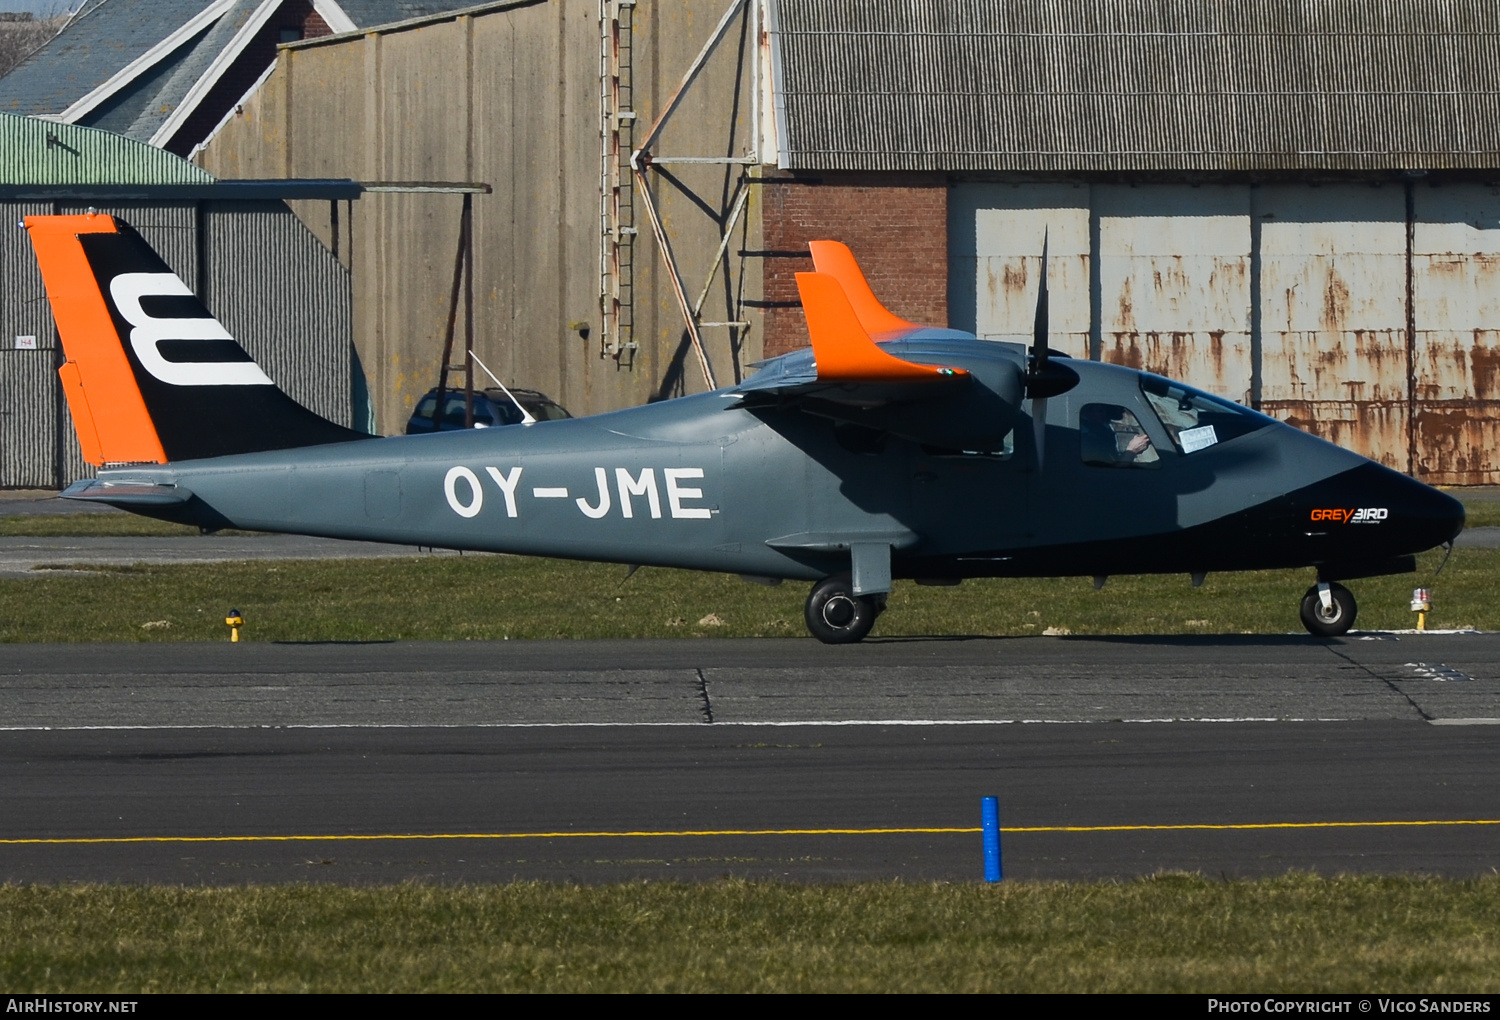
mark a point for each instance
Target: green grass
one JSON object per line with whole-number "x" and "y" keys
{"x": 95, "y": 526}
{"x": 1482, "y": 514}
{"x": 1165, "y": 934}
{"x": 497, "y": 597}
{"x": 489, "y": 597}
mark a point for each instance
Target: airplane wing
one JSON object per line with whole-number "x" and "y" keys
{"x": 909, "y": 389}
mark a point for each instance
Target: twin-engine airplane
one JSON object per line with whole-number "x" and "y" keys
{"x": 889, "y": 450}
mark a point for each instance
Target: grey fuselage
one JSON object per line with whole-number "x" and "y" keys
{"x": 711, "y": 482}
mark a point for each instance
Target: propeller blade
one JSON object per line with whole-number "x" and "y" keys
{"x": 1039, "y": 428}
{"x": 1039, "y": 363}
{"x": 1039, "y": 331}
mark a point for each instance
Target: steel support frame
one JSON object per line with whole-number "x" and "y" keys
{"x": 643, "y": 158}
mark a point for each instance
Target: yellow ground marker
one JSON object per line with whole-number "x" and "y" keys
{"x": 743, "y": 832}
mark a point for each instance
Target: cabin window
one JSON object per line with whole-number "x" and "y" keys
{"x": 1005, "y": 451}
{"x": 1194, "y": 420}
{"x": 1111, "y": 436}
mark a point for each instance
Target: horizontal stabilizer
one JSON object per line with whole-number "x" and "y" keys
{"x": 126, "y": 494}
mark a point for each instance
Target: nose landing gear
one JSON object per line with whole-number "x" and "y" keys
{"x": 837, "y": 616}
{"x": 1328, "y": 610}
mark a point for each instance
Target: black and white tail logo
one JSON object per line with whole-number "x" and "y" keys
{"x": 189, "y": 348}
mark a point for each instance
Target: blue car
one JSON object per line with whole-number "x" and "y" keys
{"x": 492, "y": 408}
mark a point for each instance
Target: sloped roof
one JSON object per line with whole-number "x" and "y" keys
{"x": 370, "y": 13}
{"x": 45, "y": 152}
{"x": 142, "y": 67}
{"x": 98, "y": 42}
{"x": 1025, "y": 85}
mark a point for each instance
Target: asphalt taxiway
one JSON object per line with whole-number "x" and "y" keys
{"x": 600, "y": 761}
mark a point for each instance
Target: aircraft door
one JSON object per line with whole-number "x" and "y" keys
{"x": 972, "y": 500}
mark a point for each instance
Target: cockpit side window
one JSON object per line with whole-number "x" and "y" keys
{"x": 1111, "y": 436}
{"x": 1195, "y": 420}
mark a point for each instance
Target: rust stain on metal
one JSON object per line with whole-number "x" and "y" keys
{"x": 1335, "y": 302}
{"x": 1127, "y": 307}
{"x": 1456, "y": 440}
{"x": 1482, "y": 371}
{"x": 1216, "y": 351}
{"x": 1126, "y": 351}
{"x": 1202, "y": 359}
{"x": 1015, "y": 276}
{"x": 1376, "y": 429}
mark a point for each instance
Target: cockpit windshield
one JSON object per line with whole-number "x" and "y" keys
{"x": 1194, "y": 419}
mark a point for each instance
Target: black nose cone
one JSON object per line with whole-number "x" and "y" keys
{"x": 1448, "y": 516}
{"x": 1423, "y": 516}
{"x": 1372, "y": 512}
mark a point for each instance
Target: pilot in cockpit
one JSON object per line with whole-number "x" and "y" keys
{"x": 1112, "y": 436}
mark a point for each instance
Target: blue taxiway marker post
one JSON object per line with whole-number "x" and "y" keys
{"x": 990, "y": 810}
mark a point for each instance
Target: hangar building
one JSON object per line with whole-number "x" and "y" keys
{"x": 1293, "y": 204}
{"x": 266, "y": 277}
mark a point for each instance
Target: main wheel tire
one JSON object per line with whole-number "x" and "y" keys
{"x": 1332, "y": 621}
{"x": 837, "y": 616}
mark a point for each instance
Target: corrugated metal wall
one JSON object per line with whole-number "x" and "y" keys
{"x": 285, "y": 298}
{"x": 1367, "y": 313}
{"x": 29, "y": 442}
{"x": 270, "y": 282}
{"x": 1139, "y": 84}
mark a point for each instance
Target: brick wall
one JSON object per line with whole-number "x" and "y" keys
{"x": 896, "y": 225}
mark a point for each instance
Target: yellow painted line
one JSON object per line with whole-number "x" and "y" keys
{"x": 1253, "y": 825}
{"x": 744, "y": 832}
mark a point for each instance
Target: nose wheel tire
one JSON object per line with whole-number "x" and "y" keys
{"x": 1333, "y": 619}
{"x": 837, "y": 616}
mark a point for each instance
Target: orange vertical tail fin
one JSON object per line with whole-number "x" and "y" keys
{"x": 842, "y": 346}
{"x": 151, "y": 375}
{"x": 836, "y": 260}
{"x": 112, "y": 422}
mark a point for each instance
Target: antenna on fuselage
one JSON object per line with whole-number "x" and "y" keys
{"x": 526, "y": 416}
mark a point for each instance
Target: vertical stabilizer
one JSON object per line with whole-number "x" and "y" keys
{"x": 833, "y": 258}
{"x": 150, "y": 375}
{"x": 842, "y": 348}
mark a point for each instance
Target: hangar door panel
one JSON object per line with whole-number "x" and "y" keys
{"x": 1174, "y": 282}
{"x": 995, "y": 236}
{"x": 1456, "y": 311}
{"x": 1365, "y": 313}
{"x": 1333, "y": 313}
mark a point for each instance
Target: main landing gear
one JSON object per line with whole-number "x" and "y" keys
{"x": 837, "y": 616}
{"x": 1328, "y": 610}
